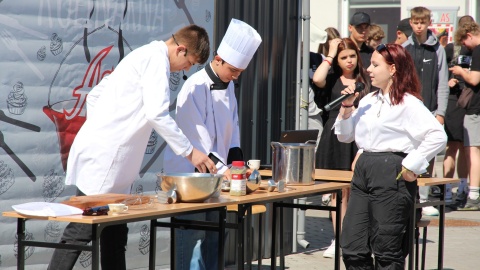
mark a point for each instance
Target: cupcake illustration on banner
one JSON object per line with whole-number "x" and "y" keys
{"x": 6, "y": 177}
{"x": 208, "y": 15}
{"x": 52, "y": 186}
{"x": 152, "y": 142}
{"x": 174, "y": 81}
{"x": 56, "y": 44}
{"x": 144, "y": 245}
{"x": 139, "y": 190}
{"x": 17, "y": 100}
{"x": 85, "y": 259}
{"x": 42, "y": 53}
{"x": 52, "y": 232}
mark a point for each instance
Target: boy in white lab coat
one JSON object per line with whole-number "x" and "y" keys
{"x": 107, "y": 152}
{"x": 207, "y": 112}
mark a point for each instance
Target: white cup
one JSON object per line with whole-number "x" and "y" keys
{"x": 116, "y": 208}
{"x": 254, "y": 164}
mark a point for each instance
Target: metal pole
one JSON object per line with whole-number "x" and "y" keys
{"x": 297, "y": 118}
{"x": 299, "y": 74}
{"x": 305, "y": 65}
{"x": 300, "y": 233}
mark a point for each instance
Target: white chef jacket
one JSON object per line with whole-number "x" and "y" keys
{"x": 122, "y": 109}
{"x": 209, "y": 118}
{"x": 409, "y": 127}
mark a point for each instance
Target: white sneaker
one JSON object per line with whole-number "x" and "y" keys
{"x": 326, "y": 199}
{"x": 330, "y": 251}
{"x": 430, "y": 211}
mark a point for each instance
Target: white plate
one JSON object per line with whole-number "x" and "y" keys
{"x": 45, "y": 209}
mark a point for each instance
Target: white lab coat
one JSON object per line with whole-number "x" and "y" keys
{"x": 209, "y": 118}
{"x": 122, "y": 109}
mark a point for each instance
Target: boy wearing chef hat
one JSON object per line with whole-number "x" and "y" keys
{"x": 123, "y": 108}
{"x": 207, "y": 112}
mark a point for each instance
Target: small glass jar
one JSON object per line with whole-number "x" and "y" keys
{"x": 238, "y": 184}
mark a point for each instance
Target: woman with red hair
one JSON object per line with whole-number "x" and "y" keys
{"x": 342, "y": 67}
{"x": 398, "y": 135}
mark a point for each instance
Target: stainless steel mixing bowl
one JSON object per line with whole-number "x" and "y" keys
{"x": 191, "y": 187}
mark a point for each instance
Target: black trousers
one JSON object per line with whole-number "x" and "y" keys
{"x": 113, "y": 241}
{"x": 378, "y": 214}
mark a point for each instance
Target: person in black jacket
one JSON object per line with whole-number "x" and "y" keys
{"x": 432, "y": 70}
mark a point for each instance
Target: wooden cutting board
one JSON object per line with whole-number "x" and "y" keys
{"x": 83, "y": 202}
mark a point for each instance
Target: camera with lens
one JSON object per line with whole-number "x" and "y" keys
{"x": 463, "y": 61}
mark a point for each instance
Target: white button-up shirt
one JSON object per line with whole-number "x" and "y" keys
{"x": 409, "y": 127}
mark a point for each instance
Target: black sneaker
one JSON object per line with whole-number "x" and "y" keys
{"x": 453, "y": 206}
{"x": 471, "y": 205}
{"x": 461, "y": 199}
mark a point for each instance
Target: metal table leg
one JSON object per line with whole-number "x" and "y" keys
{"x": 273, "y": 253}
{"x": 20, "y": 244}
{"x": 441, "y": 227}
{"x": 153, "y": 246}
{"x": 221, "y": 237}
{"x": 96, "y": 232}
{"x": 249, "y": 237}
{"x": 338, "y": 210}
{"x": 411, "y": 231}
{"x": 282, "y": 250}
{"x": 240, "y": 236}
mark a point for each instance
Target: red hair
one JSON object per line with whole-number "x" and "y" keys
{"x": 405, "y": 79}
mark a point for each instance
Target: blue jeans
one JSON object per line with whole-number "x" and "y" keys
{"x": 196, "y": 249}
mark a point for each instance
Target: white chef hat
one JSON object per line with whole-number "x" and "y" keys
{"x": 239, "y": 44}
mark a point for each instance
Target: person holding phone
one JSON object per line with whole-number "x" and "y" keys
{"x": 468, "y": 35}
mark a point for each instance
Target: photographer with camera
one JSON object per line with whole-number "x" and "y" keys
{"x": 456, "y": 55}
{"x": 468, "y": 34}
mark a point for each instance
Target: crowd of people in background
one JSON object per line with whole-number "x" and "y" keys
{"x": 448, "y": 76}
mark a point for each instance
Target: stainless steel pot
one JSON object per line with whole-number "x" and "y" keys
{"x": 293, "y": 163}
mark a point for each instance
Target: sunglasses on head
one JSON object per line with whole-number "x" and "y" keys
{"x": 382, "y": 47}
{"x": 96, "y": 211}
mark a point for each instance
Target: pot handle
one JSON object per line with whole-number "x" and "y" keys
{"x": 171, "y": 197}
{"x": 172, "y": 194}
{"x": 273, "y": 144}
{"x": 311, "y": 141}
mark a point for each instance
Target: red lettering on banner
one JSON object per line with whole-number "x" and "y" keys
{"x": 445, "y": 17}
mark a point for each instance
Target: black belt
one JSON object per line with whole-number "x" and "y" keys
{"x": 402, "y": 154}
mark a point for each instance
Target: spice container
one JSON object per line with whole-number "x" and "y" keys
{"x": 238, "y": 184}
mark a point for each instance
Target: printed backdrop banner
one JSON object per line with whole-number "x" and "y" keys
{"x": 52, "y": 53}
